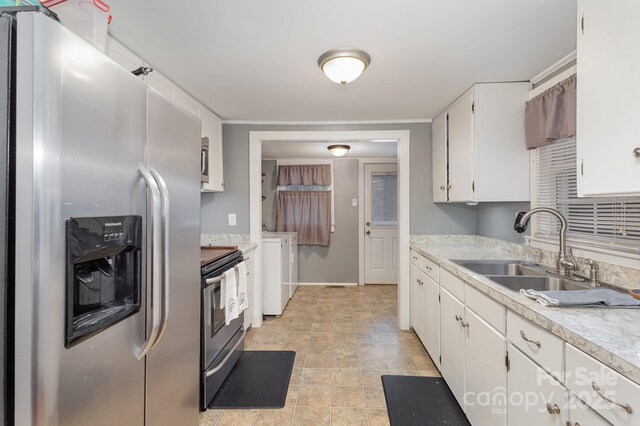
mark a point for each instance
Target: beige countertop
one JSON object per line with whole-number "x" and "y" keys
{"x": 612, "y": 336}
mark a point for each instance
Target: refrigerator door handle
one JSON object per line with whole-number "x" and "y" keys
{"x": 164, "y": 198}
{"x": 154, "y": 271}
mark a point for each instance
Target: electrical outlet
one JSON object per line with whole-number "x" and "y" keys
{"x": 232, "y": 219}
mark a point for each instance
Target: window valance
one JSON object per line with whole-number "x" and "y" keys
{"x": 305, "y": 174}
{"x": 551, "y": 115}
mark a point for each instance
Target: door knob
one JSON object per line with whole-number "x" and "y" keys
{"x": 368, "y": 232}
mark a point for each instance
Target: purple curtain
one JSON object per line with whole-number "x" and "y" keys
{"x": 306, "y": 212}
{"x": 551, "y": 115}
{"x": 305, "y": 174}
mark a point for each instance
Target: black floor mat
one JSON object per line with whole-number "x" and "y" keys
{"x": 259, "y": 380}
{"x": 420, "y": 401}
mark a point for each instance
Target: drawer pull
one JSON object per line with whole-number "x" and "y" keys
{"x": 526, "y": 339}
{"x": 458, "y": 318}
{"x": 420, "y": 281}
{"x": 573, "y": 424}
{"x": 625, "y": 407}
{"x": 428, "y": 267}
{"x": 553, "y": 409}
{"x": 465, "y": 324}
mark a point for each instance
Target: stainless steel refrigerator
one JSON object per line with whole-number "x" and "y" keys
{"x": 105, "y": 171}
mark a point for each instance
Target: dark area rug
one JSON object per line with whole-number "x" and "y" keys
{"x": 259, "y": 380}
{"x": 420, "y": 401}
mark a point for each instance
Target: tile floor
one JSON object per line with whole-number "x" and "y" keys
{"x": 345, "y": 339}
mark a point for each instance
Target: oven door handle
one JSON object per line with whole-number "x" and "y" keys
{"x": 154, "y": 270}
{"x": 164, "y": 199}
{"x": 217, "y": 368}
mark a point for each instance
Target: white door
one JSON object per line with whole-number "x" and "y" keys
{"x": 439, "y": 160}
{"x": 487, "y": 374}
{"x": 414, "y": 290}
{"x": 608, "y": 128}
{"x": 461, "y": 149}
{"x": 535, "y": 398}
{"x": 381, "y": 224}
{"x": 431, "y": 317}
{"x": 452, "y": 341}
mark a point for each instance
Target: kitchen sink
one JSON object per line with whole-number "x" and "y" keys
{"x": 516, "y": 275}
{"x": 502, "y": 267}
{"x": 516, "y": 283}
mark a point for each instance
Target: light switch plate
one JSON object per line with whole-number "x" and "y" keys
{"x": 354, "y": 202}
{"x": 232, "y": 219}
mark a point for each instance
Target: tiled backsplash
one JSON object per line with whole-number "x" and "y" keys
{"x": 206, "y": 239}
{"x": 608, "y": 273}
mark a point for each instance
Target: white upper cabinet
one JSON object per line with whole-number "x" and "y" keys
{"x": 211, "y": 124}
{"x": 484, "y": 149}
{"x": 608, "y": 98}
{"x": 212, "y": 129}
{"x": 439, "y": 157}
{"x": 461, "y": 181}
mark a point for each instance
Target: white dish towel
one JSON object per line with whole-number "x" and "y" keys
{"x": 230, "y": 296}
{"x": 243, "y": 298}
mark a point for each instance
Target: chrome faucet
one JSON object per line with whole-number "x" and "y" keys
{"x": 593, "y": 272}
{"x": 566, "y": 263}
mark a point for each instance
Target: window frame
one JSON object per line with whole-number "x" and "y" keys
{"x": 582, "y": 248}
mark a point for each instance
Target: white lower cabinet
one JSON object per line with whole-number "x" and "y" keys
{"x": 485, "y": 372}
{"x": 609, "y": 393}
{"x": 535, "y": 398}
{"x": 414, "y": 293}
{"x": 581, "y": 414}
{"x": 452, "y": 344}
{"x": 248, "y": 313}
{"x": 430, "y": 318}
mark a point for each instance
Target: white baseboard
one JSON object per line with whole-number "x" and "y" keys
{"x": 329, "y": 284}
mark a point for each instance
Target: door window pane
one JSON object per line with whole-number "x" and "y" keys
{"x": 384, "y": 211}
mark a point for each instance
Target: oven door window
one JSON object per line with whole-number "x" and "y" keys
{"x": 217, "y": 313}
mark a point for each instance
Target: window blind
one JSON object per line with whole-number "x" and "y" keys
{"x": 608, "y": 222}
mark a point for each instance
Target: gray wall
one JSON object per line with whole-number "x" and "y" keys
{"x": 426, "y": 217}
{"x": 496, "y": 220}
{"x": 269, "y": 185}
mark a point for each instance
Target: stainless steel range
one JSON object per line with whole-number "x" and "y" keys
{"x": 221, "y": 343}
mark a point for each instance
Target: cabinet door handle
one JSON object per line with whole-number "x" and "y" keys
{"x": 448, "y": 186}
{"x": 420, "y": 281}
{"x": 428, "y": 267}
{"x": 625, "y": 407}
{"x": 553, "y": 409}
{"x": 458, "y": 318}
{"x": 442, "y": 188}
{"x": 465, "y": 324}
{"x": 526, "y": 339}
{"x": 636, "y": 152}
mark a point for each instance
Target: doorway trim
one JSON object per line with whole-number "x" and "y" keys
{"x": 403, "y": 138}
{"x": 361, "y": 206}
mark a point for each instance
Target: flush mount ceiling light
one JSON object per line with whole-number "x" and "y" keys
{"x": 344, "y": 65}
{"x": 338, "y": 150}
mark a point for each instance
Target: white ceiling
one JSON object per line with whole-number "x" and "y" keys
{"x": 281, "y": 150}
{"x": 256, "y": 59}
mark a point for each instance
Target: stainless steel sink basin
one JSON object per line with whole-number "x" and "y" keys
{"x": 516, "y": 275}
{"x": 502, "y": 267}
{"x": 516, "y": 283}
